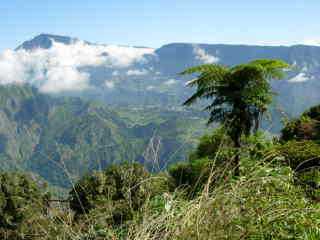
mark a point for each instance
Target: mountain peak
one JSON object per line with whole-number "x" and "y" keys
{"x": 44, "y": 41}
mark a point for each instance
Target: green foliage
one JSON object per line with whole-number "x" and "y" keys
{"x": 240, "y": 95}
{"x": 307, "y": 127}
{"x": 215, "y": 145}
{"x": 191, "y": 176}
{"x": 258, "y": 144}
{"x": 127, "y": 202}
{"x": 22, "y": 205}
{"x": 303, "y": 158}
{"x": 20, "y": 198}
{"x": 297, "y": 152}
{"x": 263, "y": 204}
{"x": 300, "y": 140}
{"x": 120, "y": 191}
{"x": 313, "y": 113}
{"x": 212, "y": 156}
{"x": 243, "y": 89}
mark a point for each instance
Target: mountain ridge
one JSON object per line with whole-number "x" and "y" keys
{"x": 125, "y": 76}
{"x": 68, "y": 39}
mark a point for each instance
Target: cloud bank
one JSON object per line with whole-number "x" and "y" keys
{"x": 204, "y": 57}
{"x": 109, "y": 84}
{"x": 170, "y": 82}
{"x": 62, "y": 67}
{"x": 312, "y": 42}
{"x": 301, "y": 77}
{"x": 137, "y": 72}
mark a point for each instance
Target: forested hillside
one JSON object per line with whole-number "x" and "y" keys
{"x": 60, "y": 139}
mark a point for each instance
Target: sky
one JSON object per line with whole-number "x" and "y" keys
{"x": 154, "y": 23}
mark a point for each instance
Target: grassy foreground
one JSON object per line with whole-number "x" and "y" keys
{"x": 127, "y": 202}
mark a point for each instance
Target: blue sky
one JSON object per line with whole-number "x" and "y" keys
{"x": 157, "y": 22}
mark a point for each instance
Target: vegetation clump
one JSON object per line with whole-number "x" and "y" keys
{"x": 296, "y": 153}
{"x": 119, "y": 191}
{"x": 264, "y": 204}
{"x": 22, "y": 204}
{"x": 214, "y": 152}
{"x": 307, "y": 127}
{"x": 300, "y": 146}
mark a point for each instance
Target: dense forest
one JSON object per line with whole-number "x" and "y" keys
{"x": 240, "y": 182}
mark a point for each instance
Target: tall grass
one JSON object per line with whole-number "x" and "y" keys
{"x": 264, "y": 204}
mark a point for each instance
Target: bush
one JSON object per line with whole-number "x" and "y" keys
{"x": 313, "y": 112}
{"x": 20, "y": 197}
{"x": 210, "y": 145}
{"x": 22, "y": 204}
{"x": 303, "y": 128}
{"x": 213, "y": 156}
{"x": 307, "y": 127}
{"x": 303, "y": 157}
{"x": 119, "y": 191}
{"x": 297, "y": 152}
{"x": 191, "y": 176}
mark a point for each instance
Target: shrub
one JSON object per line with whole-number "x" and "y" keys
{"x": 307, "y": 127}
{"x": 22, "y": 204}
{"x": 213, "y": 156}
{"x": 19, "y": 197}
{"x": 191, "y": 176}
{"x": 119, "y": 191}
{"x": 303, "y": 157}
{"x": 210, "y": 145}
{"x": 313, "y": 112}
{"x": 297, "y": 152}
{"x": 303, "y": 128}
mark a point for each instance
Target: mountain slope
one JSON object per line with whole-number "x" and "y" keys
{"x": 45, "y": 41}
{"x": 61, "y": 139}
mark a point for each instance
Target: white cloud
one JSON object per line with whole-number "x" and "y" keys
{"x": 312, "y": 42}
{"x": 204, "y": 57}
{"x": 149, "y": 88}
{"x": 301, "y": 77}
{"x": 64, "y": 79}
{"x": 109, "y": 84}
{"x": 137, "y": 72}
{"x": 59, "y": 68}
{"x": 170, "y": 82}
{"x": 115, "y": 73}
{"x": 12, "y": 67}
{"x": 120, "y": 56}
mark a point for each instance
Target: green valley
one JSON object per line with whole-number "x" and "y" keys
{"x": 61, "y": 139}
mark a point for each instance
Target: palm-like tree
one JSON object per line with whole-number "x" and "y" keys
{"x": 239, "y": 95}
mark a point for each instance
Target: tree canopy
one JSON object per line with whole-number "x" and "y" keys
{"x": 239, "y": 95}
